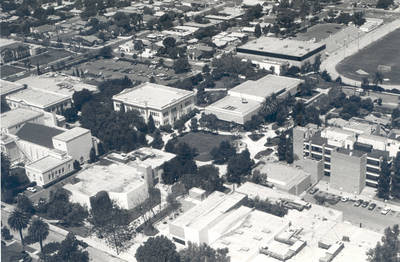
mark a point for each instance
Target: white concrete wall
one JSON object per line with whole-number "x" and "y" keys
{"x": 33, "y": 151}
{"x": 49, "y": 176}
{"x": 78, "y": 148}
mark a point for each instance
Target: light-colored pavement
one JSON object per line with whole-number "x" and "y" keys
{"x": 353, "y": 47}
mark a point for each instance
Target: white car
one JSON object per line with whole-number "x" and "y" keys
{"x": 385, "y": 211}
{"x": 344, "y": 199}
{"x": 31, "y": 189}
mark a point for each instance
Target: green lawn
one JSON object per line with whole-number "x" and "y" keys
{"x": 383, "y": 52}
{"x": 203, "y": 143}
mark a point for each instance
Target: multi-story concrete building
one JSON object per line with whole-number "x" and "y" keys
{"x": 165, "y": 104}
{"x": 348, "y": 157}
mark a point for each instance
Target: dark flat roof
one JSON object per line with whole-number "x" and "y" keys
{"x": 38, "y": 134}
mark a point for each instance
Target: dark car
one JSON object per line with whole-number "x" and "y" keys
{"x": 365, "y": 204}
{"x": 313, "y": 190}
{"x": 358, "y": 203}
{"x": 372, "y": 206}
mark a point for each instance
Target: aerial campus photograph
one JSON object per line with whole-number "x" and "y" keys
{"x": 200, "y": 130}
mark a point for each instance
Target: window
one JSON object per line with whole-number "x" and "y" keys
{"x": 307, "y": 146}
{"x": 326, "y": 166}
{"x": 328, "y": 159}
{"x": 373, "y": 162}
{"x": 318, "y": 157}
{"x": 373, "y": 170}
{"x": 316, "y": 149}
{"x": 165, "y": 114}
{"x": 327, "y": 151}
{"x": 154, "y": 113}
{"x": 188, "y": 103}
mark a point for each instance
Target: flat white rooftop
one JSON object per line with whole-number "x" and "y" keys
{"x": 18, "y": 116}
{"x": 246, "y": 231}
{"x": 37, "y": 98}
{"x": 152, "y": 95}
{"x": 282, "y": 175}
{"x": 151, "y": 156}
{"x": 48, "y": 163}
{"x": 235, "y": 105}
{"x": 7, "y": 87}
{"x": 111, "y": 177}
{"x": 277, "y": 46}
{"x": 56, "y": 83}
{"x": 267, "y": 85}
{"x": 71, "y": 134}
{"x": 212, "y": 208}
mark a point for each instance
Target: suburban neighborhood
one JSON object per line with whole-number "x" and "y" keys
{"x": 200, "y": 131}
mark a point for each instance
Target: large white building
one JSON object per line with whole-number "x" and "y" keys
{"x": 245, "y": 100}
{"x": 125, "y": 184}
{"x": 250, "y": 235}
{"x": 165, "y": 104}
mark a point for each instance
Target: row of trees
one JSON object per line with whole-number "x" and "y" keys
{"x": 160, "y": 248}
{"x": 38, "y": 230}
{"x": 389, "y": 179}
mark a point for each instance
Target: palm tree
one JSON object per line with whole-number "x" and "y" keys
{"x": 18, "y": 220}
{"x": 38, "y": 231}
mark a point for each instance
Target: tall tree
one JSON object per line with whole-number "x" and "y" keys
{"x": 92, "y": 155}
{"x": 157, "y": 249}
{"x": 111, "y": 222}
{"x": 388, "y": 249}
{"x": 395, "y": 186}
{"x": 38, "y": 231}
{"x": 239, "y": 166}
{"x": 203, "y": 252}
{"x": 18, "y": 220}
{"x": 384, "y": 180}
{"x": 257, "y": 31}
{"x": 70, "y": 249}
{"x": 25, "y": 205}
{"x": 151, "y": 127}
{"x": 223, "y": 153}
{"x": 5, "y": 171}
{"x": 81, "y": 97}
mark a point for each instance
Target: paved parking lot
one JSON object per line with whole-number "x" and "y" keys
{"x": 361, "y": 216}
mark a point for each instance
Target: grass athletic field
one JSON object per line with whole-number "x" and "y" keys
{"x": 384, "y": 53}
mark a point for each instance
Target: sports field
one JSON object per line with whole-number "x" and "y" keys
{"x": 382, "y": 55}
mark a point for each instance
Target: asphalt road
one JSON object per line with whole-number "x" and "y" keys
{"x": 372, "y": 220}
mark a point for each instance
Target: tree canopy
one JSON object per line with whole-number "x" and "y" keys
{"x": 157, "y": 249}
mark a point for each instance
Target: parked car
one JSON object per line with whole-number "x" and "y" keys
{"x": 313, "y": 190}
{"x": 344, "y": 199}
{"x": 358, "y": 203}
{"x": 372, "y": 206}
{"x": 385, "y": 211}
{"x": 31, "y": 189}
{"x": 365, "y": 204}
